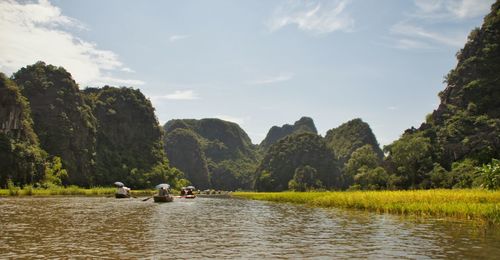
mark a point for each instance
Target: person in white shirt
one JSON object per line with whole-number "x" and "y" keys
{"x": 125, "y": 191}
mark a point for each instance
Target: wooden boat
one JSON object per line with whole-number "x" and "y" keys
{"x": 121, "y": 196}
{"x": 187, "y": 192}
{"x": 166, "y": 198}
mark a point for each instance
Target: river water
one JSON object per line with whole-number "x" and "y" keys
{"x": 93, "y": 227}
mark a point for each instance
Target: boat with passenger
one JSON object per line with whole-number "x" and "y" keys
{"x": 122, "y": 192}
{"x": 163, "y": 193}
{"x": 188, "y": 192}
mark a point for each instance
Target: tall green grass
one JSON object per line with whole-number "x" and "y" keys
{"x": 67, "y": 191}
{"x": 464, "y": 204}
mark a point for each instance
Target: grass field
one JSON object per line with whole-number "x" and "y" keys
{"x": 70, "y": 190}
{"x": 464, "y": 204}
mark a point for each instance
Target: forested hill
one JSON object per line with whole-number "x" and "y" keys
{"x": 129, "y": 144}
{"x": 211, "y": 152}
{"x": 464, "y": 131}
{"x": 350, "y": 136}
{"x": 53, "y": 133}
{"x": 87, "y": 138}
{"x": 21, "y": 157}
{"x": 467, "y": 122}
{"x": 276, "y": 133}
{"x": 62, "y": 120}
{"x": 299, "y": 161}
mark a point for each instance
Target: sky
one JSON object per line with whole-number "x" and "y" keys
{"x": 257, "y": 63}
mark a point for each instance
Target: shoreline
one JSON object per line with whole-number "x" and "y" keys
{"x": 468, "y": 204}
{"x": 68, "y": 191}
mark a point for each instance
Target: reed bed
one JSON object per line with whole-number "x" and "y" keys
{"x": 68, "y": 191}
{"x": 463, "y": 204}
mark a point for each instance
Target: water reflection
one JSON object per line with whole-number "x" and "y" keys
{"x": 226, "y": 228}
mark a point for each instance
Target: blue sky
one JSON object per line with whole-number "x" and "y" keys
{"x": 256, "y": 63}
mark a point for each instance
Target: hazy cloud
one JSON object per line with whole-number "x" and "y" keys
{"x": 178, "y": 95}
{"x": 128, "y": 70}
{"x": 456, "y": 40}
{"x": 33, "y": 31}
{"x": 270, "y": 80}
{"x": 175, "y": 38}
{"x": 406, "y": 44}
{"x": 104, "y": 80}
{"x": 316, "y": 17}
{"x": 446, "y": 9}
{"x": 414, "y": 34}
{"x": 237, "y": 120}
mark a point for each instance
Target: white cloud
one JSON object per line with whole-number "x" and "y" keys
{"x": 408, "y": 30}
{"x": 175, "y": 38}
{"x": 392, "y": 108}
{"x": 178, "y": 95}
{"x": 237, "y": 120}
{"x": 279, "y": 78}
{"x": 319, "y": 18}
{"x": 457, "y": 9}
{"x": 125, "y": 69}
{"x": 406, "y": 44}
{"x": 414, "y": 35}
{"x": 104, "y": 80}
{"x": 32, "y": 31}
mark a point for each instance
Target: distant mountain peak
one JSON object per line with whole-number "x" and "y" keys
{"x": 303, "y": 125}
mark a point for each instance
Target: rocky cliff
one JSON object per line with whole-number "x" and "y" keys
{"x": 276, "y": 133}
{"x": 62, "y": 120}
{"x": 226, "y": 147}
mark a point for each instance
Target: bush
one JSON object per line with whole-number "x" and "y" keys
{"x": 490, "y": 174}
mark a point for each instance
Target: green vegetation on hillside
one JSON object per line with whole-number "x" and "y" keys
{"x": 464, "y": 131}
{"x": 288, "y": 155}
{"x": 94, "y": 137}
{"x": 225, "y": 148}
{"x": 348, "y": 137}
{"x": 185, "y": 152}
{"x": 22, "y": 160}
{"x": 129, "y": 139}
{"x": 62, "y": 120}
{"x": 90, "y": 138}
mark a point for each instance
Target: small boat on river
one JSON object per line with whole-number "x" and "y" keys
{"x": 121, "y": 196}
{"x": 187, "y": 192}
{"x": 122, "y": 192}
{"x": 166, "y": 198}
{"x": 163, "y": 193}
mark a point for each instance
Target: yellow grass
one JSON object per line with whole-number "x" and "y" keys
{"x": 465, "y": 204}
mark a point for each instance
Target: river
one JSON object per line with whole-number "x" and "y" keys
{"x": 97, "y": 227}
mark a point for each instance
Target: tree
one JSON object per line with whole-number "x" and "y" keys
{"x": 54, "y": 172}
{"x": 466, "y": 174}
{"x": 440, "y": 178}
{"x": 411, "y": 156}
{"x": 305, "y": 178}
{"x": 490, "y": 174}
{"x": 371, "y": 178}
{"x": 364, "y": 156}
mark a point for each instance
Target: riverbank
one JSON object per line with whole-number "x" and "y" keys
{"x": 479, "y": 205}
{"x": 70, "y": 190}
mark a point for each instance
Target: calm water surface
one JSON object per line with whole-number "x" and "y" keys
{"x": 90, "y": 227}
